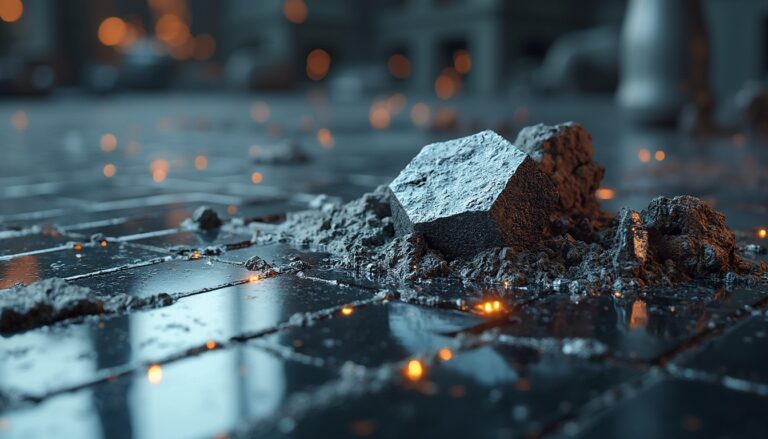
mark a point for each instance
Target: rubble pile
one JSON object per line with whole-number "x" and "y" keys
{"x": 457, "y": 209}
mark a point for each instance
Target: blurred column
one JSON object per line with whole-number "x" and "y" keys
{"x": 485, "y": 49}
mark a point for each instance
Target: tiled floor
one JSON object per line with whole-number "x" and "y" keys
{"x": 320, "y": 353}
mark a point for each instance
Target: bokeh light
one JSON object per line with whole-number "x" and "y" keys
{"x": 112, "y": 31}
{"x": 318, "y": 64}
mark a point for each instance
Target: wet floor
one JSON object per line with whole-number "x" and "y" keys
{"x": 316, "y": 352}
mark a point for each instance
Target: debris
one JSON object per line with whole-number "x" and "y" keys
{"x": 472, "y": 193}
{"x": 53, "y": 300}
{"x": 255, "y": 263}
{"x": 203, "y": 218}
{"x": 288, "y": 152}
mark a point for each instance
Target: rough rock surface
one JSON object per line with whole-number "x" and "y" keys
{"x": 564, "y": 153}
{"x": 674, "y": 240}
{"x": 52, "y": 300}
{"x": 205, "y": 218}
{"x": 472, "y": 193}
{"x": 255, "y": 263}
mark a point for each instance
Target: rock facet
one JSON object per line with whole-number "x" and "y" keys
{"x": 472, "y": 193}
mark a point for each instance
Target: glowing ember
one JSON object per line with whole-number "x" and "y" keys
{"x": 659, "y": 156}
{"x": 255, "y": 278}
{"x": 644, "y": 155}
{"x": 154, "y": 374}
{"x": 109, "y": 170}
{"x": 112, "y": 31}
{"x": 347, "y": 310}
{"x": 399, "y": 66}
{"x": 77, "y": 246}
{"x": 414, "y": 370}
{"x": 462, "y": 62}
{"x": 325, "y": 138}
{"x": 103, "y": 242}
{"x": 108, "y": 142}
{"x": 762, "y": 233}
{"x": 490, "y": 307}
{"x": 318, "y": 64}
{"x": 617, "y": 294}
{"x": 201, "y": 162}
{"x": 210, "y": 344}
{"x": 195, "y": 254}
{"x": 445, "y": 354}
{"x": 605, "y": 193}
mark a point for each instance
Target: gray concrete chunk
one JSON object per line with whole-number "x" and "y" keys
{"x": 472, "y": 193}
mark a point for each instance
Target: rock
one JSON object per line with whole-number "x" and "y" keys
{"x": 564, "y": 153}
{"x": 472, "y": 193}
{"x": 284, "y": 153}
{"x": 255, "y": 263}
{"x": 631, "y": 243}
{"x": 691, "y": 234}
{"x": 206, "y": 218}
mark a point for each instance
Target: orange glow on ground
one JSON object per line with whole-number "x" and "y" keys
{"x": 490, "y": 307}
{"x": 347, "y": 310}
{"x": 110, "y": 170}
{"x": 325, "y": 138}
{"x": 210, "y": 344}
{"x": 260, "y": 112}
{"x": 605, "y": 193}
{"x": 659, "y": 156}
{"x": 420, "y": 114}
{"x": 318, "y": 64}
{"x": 257, "y": 178}
{"x": 108, "y": 142}
{"x": 154, "y": 374}
{"x": 462, "y": 62}
{"x": 445, "y": 354}
{"x": 201, "y": 162}
{"x": 644, "y": 155}
{"x": 399, "y": 66}
{"x": 20, "y": 120}
{"x": 11, "y": 10}
{"x": 112, "y": 31}
{"x": 295, "y": 11}
{"x": 414, "y": 370}
{"x": 255, "y": 278}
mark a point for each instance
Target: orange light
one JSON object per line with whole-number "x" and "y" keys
{"x": 201, "y": 162}
{"x": 205, "y": 47}
{"x": 399, "y": 66}
{"x": 379, "y": 116}
{"x": 295, "y": 11}
{"x": 257, "y": 178}
{"x": 19, "y": 120}
{"x": 318, "y": 64}
{"x": 447, "y": 84}
{"x": 103, "y": 242}
{"x": 158, "y": 175}
{"x": 414, "y": 370}
{"x": 195, "y": 255}
{"x": 260, "y": 112}
{"x": 159, "y": 169}
{"x": 210, "y": 344}
{"x": 762, "y": 233}
{"x": 639, "y": 316}
{"x": 11, "y": 10}
{"x": 112, "y": 31}
{"x": 154, "y": 374}
{"x": 659, "y": 156}
{"x": 420, "y": 114}
{"x": 109, "y": 170}
{"x": 445, "y": 354}
{"x": 325, "y": 138}
{"x": 617, "y": 294}
{"x": 462, "y": 62}
{"x": 255, "y": 278}
{"x": 605, "y": 193}
{"x": 108, "y": 142}
{"x": 490, "y": 306}
{"x": 231, "y": 209}
{"x": 77, "y": 246}
{"x": 347, "y": 310}
{"x": 644, "y": 155}
{"x": 172, "y": 30}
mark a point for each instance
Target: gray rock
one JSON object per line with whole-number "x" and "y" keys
{"x": 631, "y": 243}
{"x": 472, "y": 193}
{"x": 255, "y": 263}
{"x": 206, "y": 218}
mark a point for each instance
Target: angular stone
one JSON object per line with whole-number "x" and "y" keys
{"x": 472, "y": 193}
{"x": 631, "y": 243}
